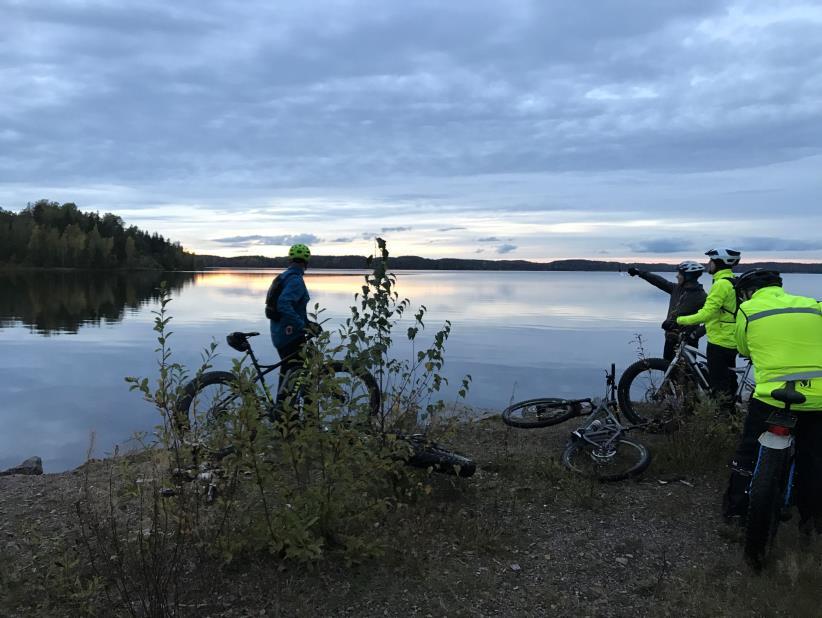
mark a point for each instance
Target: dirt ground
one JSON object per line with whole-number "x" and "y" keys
{"x": 523, "y": 537}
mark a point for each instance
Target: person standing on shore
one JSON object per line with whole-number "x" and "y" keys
{"x": 286, "y": 306}
{"x": 719, "y": 316}
{"x": 687, "y": 297}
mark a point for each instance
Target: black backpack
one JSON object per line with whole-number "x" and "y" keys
{"x": 733, "y": 281}
{"x": 273, "y": 295}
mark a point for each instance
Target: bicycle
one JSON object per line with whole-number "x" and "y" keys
{"x": 656, "y": 392}
{"x": 598, "y": 449}
{"x": 218, "y": 390}
{"x": 771, "y": 488}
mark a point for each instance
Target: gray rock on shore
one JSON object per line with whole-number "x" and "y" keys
{"x": 31, "y": 467}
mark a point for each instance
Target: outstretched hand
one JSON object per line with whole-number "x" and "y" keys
{"x": 633, "y": 271}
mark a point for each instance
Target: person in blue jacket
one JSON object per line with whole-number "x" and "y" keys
{"x": 286, "y": 307}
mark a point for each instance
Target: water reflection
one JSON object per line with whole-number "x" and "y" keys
{"x": 51, "y": 302}
{"x": 520, "y": 334}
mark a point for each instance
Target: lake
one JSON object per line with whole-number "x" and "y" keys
{"x": 68, "y": 339}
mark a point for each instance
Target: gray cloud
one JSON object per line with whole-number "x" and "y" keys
{"x": 779, "y": 244}
{"x": 661, "y": 245}
{"x": 664, "y": 114}
{"x": 256, "y": 240}
{"x": 480, "y": 88}
{"x": 399, "y": 228}
{"x": 488, "y": 239}
{"x": 506, "y": 248}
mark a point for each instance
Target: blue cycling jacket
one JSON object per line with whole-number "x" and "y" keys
{"x": 291, "y": 305}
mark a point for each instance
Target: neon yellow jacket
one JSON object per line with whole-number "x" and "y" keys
{"x": 782, "y": 335}
{"x": 718, "y": 311}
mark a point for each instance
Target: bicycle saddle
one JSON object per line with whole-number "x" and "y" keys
{"x": 239, "y": 341}
{"x": 788, "y": 396}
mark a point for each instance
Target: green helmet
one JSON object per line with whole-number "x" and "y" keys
{"x": 299, "y": 252}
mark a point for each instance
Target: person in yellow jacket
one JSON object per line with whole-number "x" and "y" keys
{"x": 782, "y": 335}
{"x": 718, "y": 314}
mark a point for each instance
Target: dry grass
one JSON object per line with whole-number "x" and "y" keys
{"x": 521, "y": 538}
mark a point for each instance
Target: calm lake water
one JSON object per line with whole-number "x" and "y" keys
{"x": 68, "y": 339}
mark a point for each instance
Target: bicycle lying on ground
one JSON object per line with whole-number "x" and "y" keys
{"x": 658, "y": 392}
{"x": 598, "y": 449}
{"x": 771, "y": 489}
{"x": 208, "y": 400}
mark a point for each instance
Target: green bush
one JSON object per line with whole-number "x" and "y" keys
{"x": 312, "y": 482}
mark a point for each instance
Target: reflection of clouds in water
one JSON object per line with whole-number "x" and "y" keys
{"x": 518, "y": 334}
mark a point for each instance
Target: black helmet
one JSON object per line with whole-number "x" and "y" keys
{"x": 755, "y": 279}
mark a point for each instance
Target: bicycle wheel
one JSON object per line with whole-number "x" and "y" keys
{"x": 623, "y": 460}
{"x": 645, "y": 395}
{"x": 206, "y": 405}
{"x": 341, "y": 394}
{"x": 358, "y": 388}
{"x": 543, "y": 412}
{"x": 426, "y": 454}
{"x": 765, "y": 504}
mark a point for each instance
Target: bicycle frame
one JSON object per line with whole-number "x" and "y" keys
{"x": 603, "y": 428}
{"x": 697, "y": 362}
{"x": 262, "y": 371}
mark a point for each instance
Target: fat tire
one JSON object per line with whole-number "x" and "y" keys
{"x": 576, "y": 445}
{"x": 183, "y": 412}
{"x": 765, "y": 504}
{"x": 432, "y": 456}
{"x": 565, "y": 409}
{"x": 374, "y": 394}
{"x": 627, "y": 379}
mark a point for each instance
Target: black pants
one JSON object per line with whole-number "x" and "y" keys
{"x": 721, "y": 376}
{"x": 291, "y": 355}
{"x": 808, "y": 472}
{"x": 669, "y": 351}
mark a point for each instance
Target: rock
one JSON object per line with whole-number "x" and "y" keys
{"x": 32, "y": 466}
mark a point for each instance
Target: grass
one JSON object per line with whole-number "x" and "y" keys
{"x": 523, "y": 538}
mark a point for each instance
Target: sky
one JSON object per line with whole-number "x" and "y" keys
{"x": 524, "y": 129}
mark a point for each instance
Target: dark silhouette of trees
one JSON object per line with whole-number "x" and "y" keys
{"x": 50, "y": 234}
{"x": 65, "y": 300}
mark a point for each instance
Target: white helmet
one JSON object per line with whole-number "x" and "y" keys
{"x": 730, "y": 257}
{"x": 689, "y": 266}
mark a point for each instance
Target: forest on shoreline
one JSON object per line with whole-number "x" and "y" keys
{"x": 50, "y": 235}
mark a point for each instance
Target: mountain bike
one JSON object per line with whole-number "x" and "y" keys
{"x": 659, "y": 393}
{"x": 208, "y": 400}
{"x": 598, "y": 449}
{"x": 770, "y": 492}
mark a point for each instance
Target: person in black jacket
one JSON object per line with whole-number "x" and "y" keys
{"x": 687, "y": 297}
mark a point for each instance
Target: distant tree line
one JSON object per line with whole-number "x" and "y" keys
{"x": 413, "y": 262}
{"x": 50, "y": 234}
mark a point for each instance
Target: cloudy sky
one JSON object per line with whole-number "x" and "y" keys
{"x": 528, "y": 129}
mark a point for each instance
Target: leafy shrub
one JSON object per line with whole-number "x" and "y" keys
{"x": 309, "y": 479}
